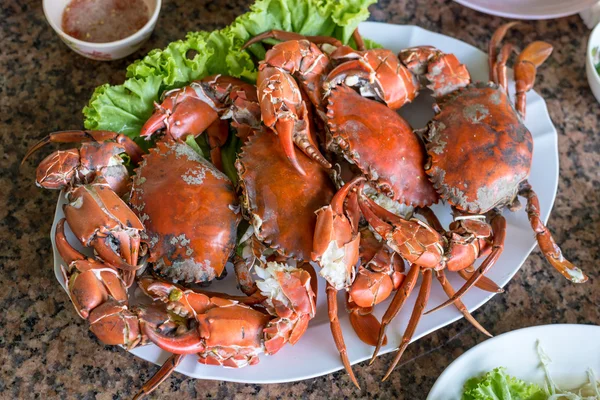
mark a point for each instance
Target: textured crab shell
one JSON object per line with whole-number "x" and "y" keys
{"x": 280, "y": 202}
{"x": 381, "y": 144}
{"x": 480, "y": 149}
{"x": 189, "y": 210}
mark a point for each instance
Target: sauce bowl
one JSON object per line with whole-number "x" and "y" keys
{"x": 53, "y": 10}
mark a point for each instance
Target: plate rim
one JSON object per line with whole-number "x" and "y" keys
{"x": 530, "y": 16}
{"x": 216, "y": 375}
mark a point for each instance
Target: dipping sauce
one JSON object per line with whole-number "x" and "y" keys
{"x": 102, "y": 21}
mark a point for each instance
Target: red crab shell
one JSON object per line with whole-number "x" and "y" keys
{"x": 189, "y": 210}
{"x": 381, "y": 144}
{"x": 280, "y": 202}
{"x": 480, "y": 149}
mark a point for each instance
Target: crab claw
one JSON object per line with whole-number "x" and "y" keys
{"x": 114, "y": 324}
{"x": 336, "y": 243}
{"x": 181, "y": 113}
{"x": 90, "y": 283}
{"x": 176, "y": 337}
{"x": 101, "y": 219}
{"x": 335, "y": 248}
{"x": 444, "y": 72}
{"x": 289, "y": 297}
{"x": 58, "y": 169}
{"x": 376, "y": 73}
{"x": 284, "y": 111}
{"x": 415, "y": 241}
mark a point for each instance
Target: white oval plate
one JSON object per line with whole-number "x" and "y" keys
{"x": 528, "y": 9}
{"x": 315, "y": 354}
{"x": 572, "y": 348}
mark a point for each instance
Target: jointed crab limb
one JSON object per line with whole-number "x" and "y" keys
{"x": 285, "y": 112}
{"x": 500, "y": 65}
{"x": 287, "y": 36}
{"x": 493, "y": 48}
{"x": 548, "y": 246}
{"x": 525, "y": 69}
{"x": 90, "y": 282}
{"x": 441, "y": 277}
{"x": 365, "y": 324}
{"x": 484, "y": 283}
{"x": 159, "y": 377}
{"x": 101, "y": 219}
{"x": 336, "y": 330}
{"x": 98, "y": 158}
{"x": 217, "y": 134}
{"x": 415, "y": 317}
{"x": 498, "y": 223}
{"x": 396, "y": 305}
{"x": 79, "y": 136}
{"x": 360, "y": 44}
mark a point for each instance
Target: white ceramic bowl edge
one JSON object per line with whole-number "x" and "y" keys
{"x": 53, "y": 10}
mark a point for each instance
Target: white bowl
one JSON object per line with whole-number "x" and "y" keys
{"x": 592, "y": 74}
{"x": 53, "y": 10}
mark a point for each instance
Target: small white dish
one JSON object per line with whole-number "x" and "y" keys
{"x": 53, "y": 10}
{"x": 572, "y": 348}
{"x": 529, "y": 9}
{"x": 590, "y": 69}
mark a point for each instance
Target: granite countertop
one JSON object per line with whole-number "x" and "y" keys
{"x": 47, "y": 350}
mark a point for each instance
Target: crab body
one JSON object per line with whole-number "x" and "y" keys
{"x": 279, "y": 202}
{"x": 189, "y": 210}
{"x": 480, "y": 149}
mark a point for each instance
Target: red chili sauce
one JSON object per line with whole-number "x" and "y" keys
{"x": 102, "y": 21}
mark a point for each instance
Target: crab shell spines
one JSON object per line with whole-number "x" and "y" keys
{"x": 480, "y": 149}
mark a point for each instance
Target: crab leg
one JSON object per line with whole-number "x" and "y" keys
{"x": 396, "y": 305}
{"x": 499, "y": 228}
{"x": 544, "y": 238}
{"x": 77, "y": 136}
{"x": 159, "y": 377}
{"x": 500, "y": 65}
{"x": 414, "y": 319}
{"x": 441, "y": 277}
{"x": 525, "y": 69}
{"x": 493, "y": 46}
{"x": 285, "y": 36}
{"x": 360, "y": 43}
{"x": 336, "y": 330}
{"x": 285, "y": 112}
{"x": 484, "y": 283}
{"x": 217, "y": 134}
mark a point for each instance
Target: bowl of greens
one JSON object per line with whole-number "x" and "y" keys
{"x": 592, "y": 62}
{"x": 547, "y": 362}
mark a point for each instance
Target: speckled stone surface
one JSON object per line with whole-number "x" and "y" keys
{"x": 46, "y": 350}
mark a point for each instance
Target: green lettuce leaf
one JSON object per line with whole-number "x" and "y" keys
{"x": 124, "y": 108}
{"x": 497, "y": 385}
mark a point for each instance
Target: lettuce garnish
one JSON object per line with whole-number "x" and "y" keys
{"x": 124, "y": 108}
{"x": 497, "y": 385}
